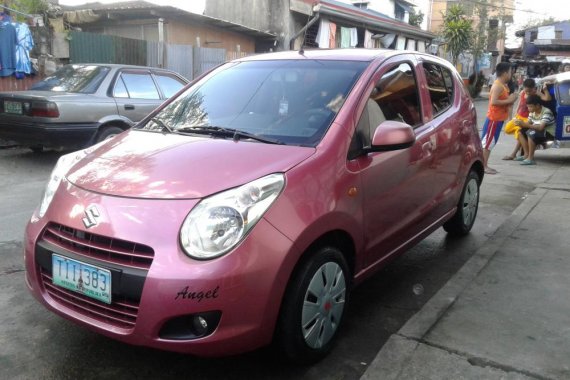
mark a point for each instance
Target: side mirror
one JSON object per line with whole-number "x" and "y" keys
{"x": 392, "y": 135}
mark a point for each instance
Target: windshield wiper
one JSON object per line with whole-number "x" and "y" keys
{"x": 235, "y": 134}
{"x": 162, "y": 124}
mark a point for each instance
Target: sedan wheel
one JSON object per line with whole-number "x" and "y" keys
{"x": 107, "y": 133}
{"x": 314, "y": 306}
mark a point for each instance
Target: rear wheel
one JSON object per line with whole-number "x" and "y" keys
{"x": 107, "y": 133}
{"x": 462, "y": 222}
{"x": 314, "y": 306}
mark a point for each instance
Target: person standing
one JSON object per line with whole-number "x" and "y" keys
{"x": 499, "y": 102}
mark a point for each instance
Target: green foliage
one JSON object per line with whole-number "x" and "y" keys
{"x": 29, "y": 7}
{"x": 457, "y": 31}
{"x": 416, "y": 19}
{"x": 539, "y": 22}
{"x": 479, "y": 43}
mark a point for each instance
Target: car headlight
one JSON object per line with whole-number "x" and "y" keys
{"x": 61, "y": 168}
{"x": 220, "y": 222}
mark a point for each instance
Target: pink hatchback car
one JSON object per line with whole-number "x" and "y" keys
{"x": 245, "y": 209}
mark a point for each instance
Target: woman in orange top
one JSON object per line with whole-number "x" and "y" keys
{"x": 499, "y": 102}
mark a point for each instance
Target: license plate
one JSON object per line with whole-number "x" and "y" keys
{"x": 13, "y": 107}
{"x": 82, "y": 278}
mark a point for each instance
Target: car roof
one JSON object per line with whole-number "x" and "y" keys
{"x": 357, "y": 54}
{"x": 365, "y": 55}
{"x": 120, "y": 66}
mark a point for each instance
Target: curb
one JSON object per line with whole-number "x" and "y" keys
{"x": 400, "y": 347}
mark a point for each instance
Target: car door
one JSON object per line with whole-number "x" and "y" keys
{"x": 136, "y": 94}
{"x": 449, "y": 120}
{"x": 395, "y": 183}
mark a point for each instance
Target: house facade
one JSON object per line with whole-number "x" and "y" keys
{"x": 324, "y": 23}
{"x": 548, "y": 40}
{"x": 397, "y": 9}
{"x": 186, "y": 42}
{"x": 545, "y": 49}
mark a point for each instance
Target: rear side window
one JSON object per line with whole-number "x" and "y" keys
{"x": 82, "y": 79}
{"x": 169, "y": 84}
{"x": 140, "y": 86}
{"x": 438, "y": 87}
{"x": 448, "y": 78}
{"x": 120, "y": 90}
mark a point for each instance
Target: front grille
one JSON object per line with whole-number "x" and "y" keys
{"x": 103, "y": 248}
{"x": 120, "y": 313}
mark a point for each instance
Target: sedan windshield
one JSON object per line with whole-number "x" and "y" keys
{"x": 84, "y": 79}
{"x": 292, "y": 102}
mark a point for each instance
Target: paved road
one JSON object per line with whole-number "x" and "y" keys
{"x": 36, "y": 344}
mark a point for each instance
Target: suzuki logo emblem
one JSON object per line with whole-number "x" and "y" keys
{"x": 91, "y": 215}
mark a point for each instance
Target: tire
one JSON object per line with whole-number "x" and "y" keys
{"x": 107, "y": 133}
{"x": 462, "y": 222}
{"x": 314, "y": 306}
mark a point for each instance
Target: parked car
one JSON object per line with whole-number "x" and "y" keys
{"x": 83, "y": 104}
{"x": 244, "y": 210}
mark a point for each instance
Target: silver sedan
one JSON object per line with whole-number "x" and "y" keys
{"x": 82, "y": 104}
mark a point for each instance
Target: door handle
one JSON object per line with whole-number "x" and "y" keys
{"x": 129, "y": 106}
{"x": 427, "y": 146}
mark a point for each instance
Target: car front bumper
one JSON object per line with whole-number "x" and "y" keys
{"x": 244, "y": 287}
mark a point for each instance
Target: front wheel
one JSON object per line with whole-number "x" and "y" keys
{"x": 462, "y": 222}
{"x": 314, "y": 306}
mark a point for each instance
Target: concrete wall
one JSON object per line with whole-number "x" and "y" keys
{"x": 565, "y": 28}
{"x": 266, "y": 15}
{"x": 184, "y": 34}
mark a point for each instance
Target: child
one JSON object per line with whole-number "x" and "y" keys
{"x": 499, "y": 102}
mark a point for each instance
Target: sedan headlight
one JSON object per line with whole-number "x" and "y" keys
{"x": 220, "y": 222}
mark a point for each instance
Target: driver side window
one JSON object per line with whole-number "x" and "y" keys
{"x": 394, "y": 97}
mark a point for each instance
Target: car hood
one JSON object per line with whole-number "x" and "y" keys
{"x": 142, "y": 164}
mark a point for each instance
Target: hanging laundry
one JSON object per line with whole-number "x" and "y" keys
{"x": 24, "y": 46}
{"x": 323, "y": 35}
{"x": 368, "y": 42}
{"x": 8, "y": 41}
{"x": 344, "y": 37}
{"x": 353, "y": 37}
{"x": 332, "y": 39}
{"x": 387, "y": 40}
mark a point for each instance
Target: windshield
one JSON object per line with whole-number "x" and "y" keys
{"x": 293, "y": 102}
{"x": 84, "y": 79}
